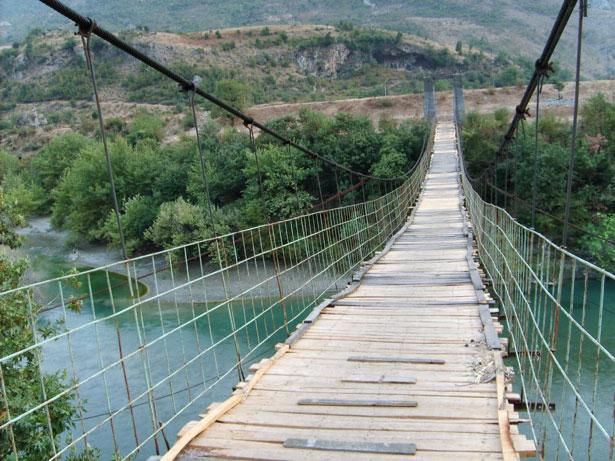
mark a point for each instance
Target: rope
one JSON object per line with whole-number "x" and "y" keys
{"x": 203, "y": 163}
{"x": 86, "y": 34}
{"x": 535, "y": 169}
{"x": 575, "y": 117}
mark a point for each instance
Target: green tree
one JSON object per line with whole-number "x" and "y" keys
{"x": 82, "y": 199}
{"x": 52, "y": 162}
{"x": 226, "y": 159}
{"x": 10, "y": 218}
{"x": 180, "y": 222}
{"x": 598, "y": 118}
{"x": 592, "y": 201}
{"x": 145, "y": 126}
{"x": 137, "y": 216}
{"x": 282, "y": 172}
{"x": 392, "y": 163}
{"x": 459, "y": 48}
{"x": 596, "y": 241}
{"x": 9, "y": 165}
{"x": 559, "y": 86}
{"x": 232, "y": 92}
{"x": 22, "y": 375}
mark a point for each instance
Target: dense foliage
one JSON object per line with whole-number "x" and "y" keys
{"x": 593, "y": 194}
{"x": 160, "y": 186}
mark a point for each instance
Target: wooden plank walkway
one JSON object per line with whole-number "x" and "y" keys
{"x": 399, "y": 368}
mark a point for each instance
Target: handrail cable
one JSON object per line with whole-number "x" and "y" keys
{"x": 575, "y": 119}
{"x": 534, "y": 280}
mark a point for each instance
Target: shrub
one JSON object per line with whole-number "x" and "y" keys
{"x": 138, "y": 215}
{"x": 145, "y": 126}
{"x": 232, "y": 92}
{"x": 51, "y": 163}
{"x": 180, "y": 222}
{"x": 227, "y": 46}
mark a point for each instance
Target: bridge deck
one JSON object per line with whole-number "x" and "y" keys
{"x": 401, "y": 361}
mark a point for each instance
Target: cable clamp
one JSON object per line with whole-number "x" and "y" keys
{"x": 522, "y": 114}
{"x": 85, "y": 30}
{"x": 188, "y": 87}
{"x": 544, "y": 68}
{"x": 248, "y": 122}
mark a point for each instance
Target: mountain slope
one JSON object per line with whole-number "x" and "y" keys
{"x": 515, "y": 26}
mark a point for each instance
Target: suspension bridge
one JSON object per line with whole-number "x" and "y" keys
{"x": 421, "y": 322}
{"x": 407, "y": 359}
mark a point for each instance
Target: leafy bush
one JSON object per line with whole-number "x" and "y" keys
{"x": 226, "y": 159}
{"x": 23, "y": 375}
{"x": 228, "y": 46}
{"x": 593, "y": 200}
{"x": 180, "y": 222}
{"x": 232, "y": 92}
{"x": 50, "y": 164}
{"x": 390, "y": 164}
{"x": 145, "y": 126}
{"x": 138, "y": 215}
{"x": 596, "y": 241}
{"x": 282, "y": 172}
{"x": 82, "y": 199}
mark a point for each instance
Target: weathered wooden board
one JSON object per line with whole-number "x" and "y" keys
{"x": 395, "y": 359}
{"x": 357, "y": 403}
{"x": 352, "y": 446}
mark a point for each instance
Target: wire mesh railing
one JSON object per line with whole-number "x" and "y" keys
{"x": 139, "y": 347}
{"x": 560, "y": 315}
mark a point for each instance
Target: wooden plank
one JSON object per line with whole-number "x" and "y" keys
{"x": 382, "y": 379}
{"x": 317, "y": 310}
{"x": 460, "y": 442}
{"x": 222, "y": 448}
{"x": 491, "y": 337}
{"x": 424, "y": 428}
{"x": 357, "y": 403}
{"x": 361, "y": 447}
{"x": 200, "y": 426}
{"x": 394, "y": 359}
{"x": 219, "y": 410}
{"x": 508, "y": 449}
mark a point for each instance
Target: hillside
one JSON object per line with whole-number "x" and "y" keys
{"x": 513, "y": 26}
{"x": 44, "y": 83}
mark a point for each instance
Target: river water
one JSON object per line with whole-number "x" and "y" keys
{"x": 590, "y": 372}
{"x": 199, "y": 376}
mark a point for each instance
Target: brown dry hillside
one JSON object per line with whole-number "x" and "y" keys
{"x": 482, "y": 100}
{"x": 44, "y": 87}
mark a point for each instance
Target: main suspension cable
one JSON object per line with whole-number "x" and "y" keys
{"x": 575, "y": 119}
{"x": 543, "y": 62}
